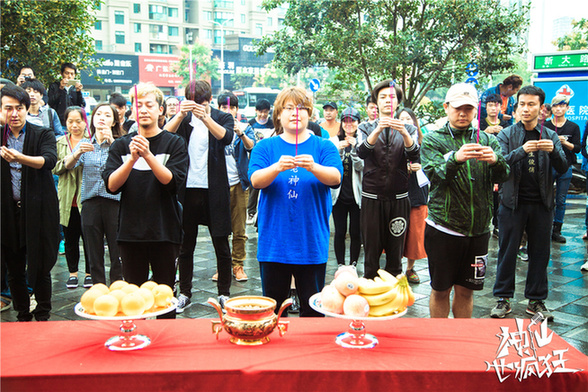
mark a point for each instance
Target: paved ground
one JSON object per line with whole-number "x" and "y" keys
{"x": 568, "y": 286}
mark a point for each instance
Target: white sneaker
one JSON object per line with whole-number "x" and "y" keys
{"x": 584, "y": 266}
{"x": 221, "y": 300}
{"x": 183, "y": 303}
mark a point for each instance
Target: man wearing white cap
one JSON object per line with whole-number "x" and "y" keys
{"x": 463, "y": 165}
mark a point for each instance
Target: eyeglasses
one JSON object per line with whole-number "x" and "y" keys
{"x": 290, "y": 108}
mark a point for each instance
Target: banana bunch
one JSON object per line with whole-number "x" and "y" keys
{"x": 386, "y": 294}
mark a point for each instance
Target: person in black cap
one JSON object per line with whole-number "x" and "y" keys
{"x": 331, "y": 124}
{"x": 347, "y": 197}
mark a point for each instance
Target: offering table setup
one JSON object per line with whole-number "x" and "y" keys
{"x": 185, "y": 355}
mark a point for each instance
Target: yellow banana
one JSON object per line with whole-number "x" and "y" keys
{"x": 370, "y": 287}
{"x": 382, "y": 310}
{"x": 381, "y": 299}
{"x": 387, "y": 276}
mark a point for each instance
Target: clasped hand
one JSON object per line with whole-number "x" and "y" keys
{"x": 538, "y": 145}
{"x": 139, "y": 147}
{"x": 392, "y": 123}
{"x": 288, "y": 162}
{"x": 190, "y": 106}
{"x": 475, "y": 151}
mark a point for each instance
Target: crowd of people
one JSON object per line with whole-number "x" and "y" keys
{"x": 141, "y": 180}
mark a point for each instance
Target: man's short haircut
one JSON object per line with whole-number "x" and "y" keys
{"x": 369, "y": 100}
{"x": 560, "y": 99}
{"x": 513, "y": 80}
{"x": 68, "y": 65}
{"x": 35, "y": 85}
{"x": 198, "y": 91}
{"x": 493, "y": 98}
{"x": 233, "y": 100}
{"x": 263, "y": 104}
{"x": 532, "y": 90}
{"x": 144, "y": 89}
{"x": 25, "y": 67}
{"x": 385, "y": 84}
{"x": 117, "y": 99}
{"x": 17, "y": 93}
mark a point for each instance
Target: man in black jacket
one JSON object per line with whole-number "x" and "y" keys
{"x": 386, "y": 148}
{"x": 205, "y": 198}
{"x": 66, "y": 92}
{"x": 533, "y": 152}
{"x": 30, "y": 212}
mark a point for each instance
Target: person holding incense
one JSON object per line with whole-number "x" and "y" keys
{"x": 205, "y": 194}
{"x": 347, "y": 198}
{"x": 533, "y": 152}
{"x": 70, "y": 196}
{"x": 30, "y": 211}
{"x": 386, "y": 146}
{"x": 570, "y": 138}
{"x": 463, "y": 164}
{"x": 294, "y": 172}
{"x": 147, "y": 168}
{"x": 491, "y": 123}
{"x": 99, "y": 216}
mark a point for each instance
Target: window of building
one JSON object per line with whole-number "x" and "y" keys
{"x": 138, "y": 48}
{"x": 119, "y": 17}
{"x": 258, "y": 29}
{"x": 98, "y": 25}
{"x": 137, "y": 28}
{"x": 207, "y": 15}
{"x": 173, "y": 31}
{"x": 98, "y": 44}
{"x": 157, "y": 12}
{"x": 224, "y": 4}
{"x": 269, "y": 21}
{"x": 172, "y": 12}
{"x": 119, "y": 37}
{"x": 136, "y": 8}
{"x": 158, "y": 48}
{"x": 280, "y": 22}
{"x": 156, "y": 29}
{"x": 224, "y": 17}
{"x": 208, "y": 34}
{"x": 243, "y": 20}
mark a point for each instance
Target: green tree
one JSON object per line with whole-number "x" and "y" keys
{"x": 577, "y": 39}
{"x": 419, "y": 43}
{"x": 45, "y": 34}
{"x": 204, "y": 66}
{"x": 241, "y": 80}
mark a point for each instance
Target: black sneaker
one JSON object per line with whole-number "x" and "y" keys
{"x": 183, "y": 303}
{"x": 501, "y": 309}
{"x": 523, "y": 254}
{"x": 88, "y": 281}
{"x": 72, "y": 282}
{"x": 536, "y": 306}
{"x": 221, "y": 300}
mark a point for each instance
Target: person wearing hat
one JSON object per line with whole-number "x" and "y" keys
{"x": 526, "y": 203}
{"x": 331, "y": 124}
{"x": 568, "y": 133}
{"x": 463, "y": 164}
{"x": 386, "y": 148}
{"x": 347, "y": 197}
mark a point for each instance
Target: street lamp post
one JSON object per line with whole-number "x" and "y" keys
{"x": 222, "y": 26}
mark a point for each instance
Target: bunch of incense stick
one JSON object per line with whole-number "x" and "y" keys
{"x": 392, "y": 99}
{"x": 478, "y": 132}
{"x": 137, "y": 110}
{"x": 297, "y": 107}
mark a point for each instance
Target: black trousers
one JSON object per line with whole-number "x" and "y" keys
{"x": 72, "y": 234}
{"x": 341, "y": 211}
{"x": 99, "y": 219}
{"x": 16, "y": 266}
{"x": 537, "y": 220}
{"x": 383, "y": 227}
{"x": 196, "y": 212}
{"x": 137, "y": 257}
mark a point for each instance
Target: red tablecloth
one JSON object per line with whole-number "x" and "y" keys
{"x": 413, "y": 355}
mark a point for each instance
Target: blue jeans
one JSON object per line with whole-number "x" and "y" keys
{"x": 562, "y": 184}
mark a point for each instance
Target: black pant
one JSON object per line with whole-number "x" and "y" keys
{"x": 16, "y": 264}
{"x": 72, "y": 233}
{"x": 309, "y": 279}
{"x": 340, "y": 213}
{"x": 99, "y": 219}
{"x": 537, "y": 221}
{"x": 383, "y": 227}
{"x": 196, "y": 212}
{"x": 252, "y": 201}
{"x": 137, "y": 257}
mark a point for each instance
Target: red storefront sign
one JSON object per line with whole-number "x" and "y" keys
{"x": 157, "y": 69}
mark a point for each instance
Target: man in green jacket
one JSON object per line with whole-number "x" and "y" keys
{"x": 463, "y": 165}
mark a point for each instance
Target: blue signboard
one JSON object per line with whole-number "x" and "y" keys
{"x": 314, "y": 85}
{"x": 576, "y": 89}
{"x": 116, "y": 70}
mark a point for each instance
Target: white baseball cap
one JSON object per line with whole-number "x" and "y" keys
{"x": 462, "y": 94}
